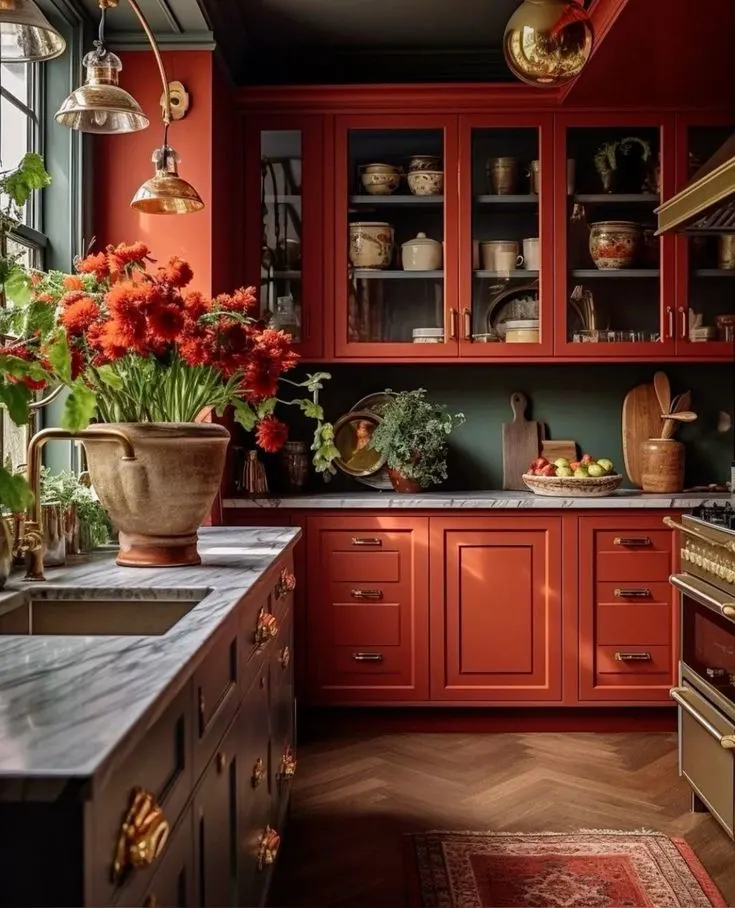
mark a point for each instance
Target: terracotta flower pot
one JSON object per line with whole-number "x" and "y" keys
{"x": 159, "y": 500}
{"x": 402, "y": 484}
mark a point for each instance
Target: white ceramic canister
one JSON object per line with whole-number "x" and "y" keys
{"x": 421, "y": 254}
{"x": 371, "y": 244}
{"x": 522, "y": 331}
{"x": 428, "y": 335}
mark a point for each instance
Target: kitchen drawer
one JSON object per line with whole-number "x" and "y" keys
{"x": 352, "y": 666}
{"x": 644, "y": 593}
{"x": 658, "y": 662}
{"x": 634, "y": 625}
{"x": 632, "y": 555}
{"x": 259, "y": 630}
{"x": 162, "y": 766}
{"x": 215, "y": 694}
{"x": 366, "y": 625}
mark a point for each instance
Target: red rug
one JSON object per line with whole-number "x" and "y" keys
{"x": 551, "y": 870}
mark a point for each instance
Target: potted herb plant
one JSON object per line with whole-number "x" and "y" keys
{"x": 87, "y": 524}
{"x": 412, "y": 436}
{"x": 140, "y": 351}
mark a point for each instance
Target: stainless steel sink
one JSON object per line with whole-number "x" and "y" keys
{"x": 95, "y": 613}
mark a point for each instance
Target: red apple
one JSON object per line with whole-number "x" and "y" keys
{"x": 587, "y": 459}
{"x": 574, "y": 464}
{"x": 539, "y": 463}
{"x": 548, "y": 470}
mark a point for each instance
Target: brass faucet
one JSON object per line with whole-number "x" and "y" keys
{"x": 31, "y": 538}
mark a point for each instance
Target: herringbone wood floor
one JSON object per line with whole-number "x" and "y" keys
{"x": 354, "y": 797}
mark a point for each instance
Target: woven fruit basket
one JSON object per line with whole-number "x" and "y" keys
{"x": 573, "y": 486}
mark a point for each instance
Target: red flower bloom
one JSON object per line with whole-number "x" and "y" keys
{"x": 243, "y": 300}
{"x": 196, "y": 305}
{"x": 77, "y": 317}
{"x": 95, "y": 264}
{"x": 271, "y": 434}
{"x": 21, "y": 351}
{"x": 72, "y": 282}
{"x": 123, "y": 256}
{"x": 165, "y": 321}
{"x": 176, "y": 274}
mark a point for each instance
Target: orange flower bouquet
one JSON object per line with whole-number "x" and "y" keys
{"x": 134, "y": 345}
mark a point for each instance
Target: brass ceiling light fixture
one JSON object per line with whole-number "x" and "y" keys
{"x": 26, "y": 35}
{"x": 547, "y": 42}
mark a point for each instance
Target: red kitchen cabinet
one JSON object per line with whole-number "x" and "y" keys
{"x": 367, "y": 609}
{"x": 628, "y": 621}
{"x": 496, "y": 609}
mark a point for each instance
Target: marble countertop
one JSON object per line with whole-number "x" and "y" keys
{"x": 623, "y": 498}
{"x": 67, "y": 702}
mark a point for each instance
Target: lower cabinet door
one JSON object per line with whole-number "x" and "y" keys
{"x": 173, "y": 884}
{"x": 496, "y": 616}
{"x": 215, "y": 823}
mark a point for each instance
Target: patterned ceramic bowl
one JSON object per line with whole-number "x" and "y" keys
{"x": 615, "y": 244}
{"x": 426, "y": 182}
{"x": 380, "y": 183}
{"x": 573, "y": 487}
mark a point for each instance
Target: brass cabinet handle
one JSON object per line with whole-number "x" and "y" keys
{"x": 266, "y": 628}
{"x": 287, "y": 769}
{"x": 677, "y": 695}
{"x": 453, "y": 319}
{"x": 202, "y": 711}
{"x": 221, "y": 762}
{"x": 632, "y": 657}
{"x": 258, "y": 773}
{"x": 142, "y": 837}
{"x": 683, "y": 313}
{"x": 633, "y": 542}
{"x": 366, "y": 540}
{"x": 367, "y": 657}
{"x": 670, "y": 315}
{"x": 366, "y": 594}
{"x": 641, "y": 593}
{"x": 268, "y": 847}
{"x": 467, "y": 324}
{"x": 286, "y": 584}
{"x": 285, "y": 657}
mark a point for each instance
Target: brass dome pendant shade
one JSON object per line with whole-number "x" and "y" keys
{"x": 100, "y": 106}
{"x": 26, "y": 35}
{"x": 166, "y": 192}
{"x": 548, "y": 42}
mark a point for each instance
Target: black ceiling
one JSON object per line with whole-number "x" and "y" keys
{"x": 361, "y": 41}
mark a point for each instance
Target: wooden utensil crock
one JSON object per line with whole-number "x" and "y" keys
{"x": 662, "y": 465}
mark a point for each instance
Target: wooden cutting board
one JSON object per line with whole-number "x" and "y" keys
{"x": 521, "y": 443}
{"x": 553, "y": 449}
{"x": 641, "y": 421}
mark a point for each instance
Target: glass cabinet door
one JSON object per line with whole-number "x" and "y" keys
{"x": 283, "y": 227}
{"x": 396, "y": 195}
{"x": 610, "y": 289}
{"x": 506, "y": 237}
{"x": 706, "y": 265}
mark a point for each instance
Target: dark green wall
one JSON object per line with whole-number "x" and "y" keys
{"x": 579, "y": 402}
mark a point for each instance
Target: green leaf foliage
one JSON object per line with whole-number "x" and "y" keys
{"x": 79, "y": 408}
{"x": 17, "y": 285}
{"x": 28, "y": 176}
{"x": 244, "y": 414}
{"x": 16, "y": 397}
{"x": 60, "y": 357}
{"x": 15, "y": 494}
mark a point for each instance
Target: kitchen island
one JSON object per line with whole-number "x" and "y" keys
{"x": 158, "y": 698}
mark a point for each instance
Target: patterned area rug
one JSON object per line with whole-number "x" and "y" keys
{"x": 596, "y": 869}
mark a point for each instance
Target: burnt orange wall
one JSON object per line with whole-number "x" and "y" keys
{"x": 123, "y": 162}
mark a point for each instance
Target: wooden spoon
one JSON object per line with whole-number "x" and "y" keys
{"x": 672, "y": 420}
{"x": 663, "y": 391}
{"x": 684, "y": 402}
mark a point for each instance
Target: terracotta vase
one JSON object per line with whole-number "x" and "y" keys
{"x": 402, "y": 484}
{"x": 158, "y": 500}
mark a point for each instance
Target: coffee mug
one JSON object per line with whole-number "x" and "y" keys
{"x": 490, "y": 249}
{"x": 531, "y": 253}
{"x": 534, "y": 174}
{"x": 506, "y": 260}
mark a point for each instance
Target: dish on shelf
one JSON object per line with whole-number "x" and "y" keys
{"x": 426, "y": 182}
{"x": 573, "y": 487}
{"x": 371, "y": 244}
{"x": 376, "y": 403}
{"x": 518, "y": 303}
{"x": 380, "y": 183}
{"x": 615, "y": 245}
{"x": 352, "y": 433}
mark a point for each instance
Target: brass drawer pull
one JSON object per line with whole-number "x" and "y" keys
{"x": 453, "y": 319}
{"x": 287, "y": 769}
{"x": 366, "y": 540}
{"x": 286, "y": 584}
{"x": 632, "y": 657}
{"x": 285, "y": 658}
{"x": 266, "y": 628}
{"x": 677, "y": 695}
{"x": 633, "y": 542}
{"x": 142, "y": 837}
{"x": 367, "y": 657}
{"x": 221, "y": 762}
{"x": 258, "y": 773}
{"x": 366, "y": 594}
{"x": 268, "y": 847}
{"x": 641, "y": 593}
{"x": 467, "y": 324}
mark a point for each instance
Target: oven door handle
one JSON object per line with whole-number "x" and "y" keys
{"x": 690, "y": 531}
{"x": 724, "y": 609}
{"x": 725, "y": 741}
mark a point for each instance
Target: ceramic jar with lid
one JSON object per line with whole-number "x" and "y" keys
{"x": 371, "y": 244}
{"x": 421, "y": 254}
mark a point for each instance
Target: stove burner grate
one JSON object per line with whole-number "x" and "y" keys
{"x": 721, "y": 515}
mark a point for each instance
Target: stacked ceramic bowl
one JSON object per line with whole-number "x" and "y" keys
{"x": 380, "y": 179}
{"x": 425, "y": 176}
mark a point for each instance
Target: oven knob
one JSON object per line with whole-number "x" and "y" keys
{"x": 730, "y": 576}
{"x": 685, "y": 554}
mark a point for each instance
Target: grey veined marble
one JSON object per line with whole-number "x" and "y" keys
{"x": 623, "y": 498}
{"x": 66, "y": 702}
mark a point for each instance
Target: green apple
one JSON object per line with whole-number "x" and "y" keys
{"x": 581, "y": 472}
{"x": 562, "y": 463}
{"x": 564, "y": 471}
{"x": 607, "y": 465}
{"x": 596, "y": 469}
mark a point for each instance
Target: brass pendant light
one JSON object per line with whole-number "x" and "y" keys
{"x": 166, "y": 192}
{"x": 548, "y": 42}
{"x": 26, "y": 35}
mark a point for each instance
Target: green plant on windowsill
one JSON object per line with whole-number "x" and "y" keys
{"x": 67, "y": 489}
{"x": 412, "y": 436}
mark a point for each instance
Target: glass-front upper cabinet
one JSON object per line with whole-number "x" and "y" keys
{"x": 506, "y": 236}
{"x": 705, "y": 323}
{"x": 615, "y": 278}
{"x": 283, "y": 233}
{"x": 395, "y": 229}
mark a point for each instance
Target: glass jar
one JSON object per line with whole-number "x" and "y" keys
{"x": 294, "y": 466}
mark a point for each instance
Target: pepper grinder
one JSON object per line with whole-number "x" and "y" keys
{"x": 254, "y": 478}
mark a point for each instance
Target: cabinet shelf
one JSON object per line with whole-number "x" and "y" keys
{"x": 281, "y": 276}
{"x": 294, "y": 200}
{"x": 592, "y": 273}
{"x": 398, "y": 201}
{"x": 714, "y": 272}
{"x": 521, "y": 201}
{"x": 518, "y": 275}
{"x": 619, "y": 198}
{"x": 395, "y": 274}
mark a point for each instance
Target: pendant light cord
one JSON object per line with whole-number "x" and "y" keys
{"x": 161, "y": 69}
